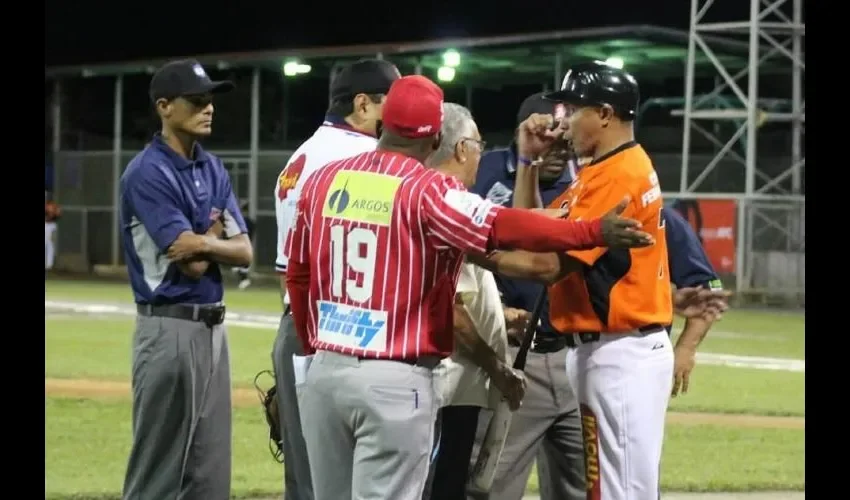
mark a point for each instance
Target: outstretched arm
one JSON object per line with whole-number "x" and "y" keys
{"x": 463, "y": 220}
{"x": 520, "y": 264}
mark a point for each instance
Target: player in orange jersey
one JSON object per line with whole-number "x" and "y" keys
{"x": 615, "y": 304}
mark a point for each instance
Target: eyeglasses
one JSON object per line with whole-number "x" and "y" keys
{"x": 481, "y": 144}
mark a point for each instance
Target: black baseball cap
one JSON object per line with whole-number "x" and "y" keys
{"x": 185, "y": 77}
{"x": 536, "y": 103}
{"x": 367, "y": 76}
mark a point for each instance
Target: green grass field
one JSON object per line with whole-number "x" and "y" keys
{"x": 87, "y": 437}
{"x": 746, "y": 333}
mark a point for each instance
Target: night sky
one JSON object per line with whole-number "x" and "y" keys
{"x": 93, "y": 31}
{"x": 107, "y": 31}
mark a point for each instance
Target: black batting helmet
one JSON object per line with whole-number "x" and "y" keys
{"x": 595, "y": 83}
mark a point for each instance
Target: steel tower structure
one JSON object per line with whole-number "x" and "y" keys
{"x": 775, "y": 32}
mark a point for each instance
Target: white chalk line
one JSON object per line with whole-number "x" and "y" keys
{"x": 269, "y": 322}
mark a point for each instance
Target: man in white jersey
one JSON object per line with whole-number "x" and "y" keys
{"x": 351, "y": 127}
{"x": 478, "y": 372}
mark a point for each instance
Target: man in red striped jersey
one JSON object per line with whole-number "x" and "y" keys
{"x": 351, "y": 126}
{"x": 374, "y": 257}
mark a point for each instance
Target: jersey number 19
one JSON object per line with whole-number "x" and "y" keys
{"x": 353, "y": 250}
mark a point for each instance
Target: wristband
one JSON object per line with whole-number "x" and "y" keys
{"x": 524, "y": 161}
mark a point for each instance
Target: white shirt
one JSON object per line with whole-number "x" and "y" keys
{"x": 466, "y": 383}
{"x": 49, "y": 229}
{"x": 329, "y": 143}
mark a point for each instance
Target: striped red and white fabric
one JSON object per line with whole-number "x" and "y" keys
{"x": 384, "y": 239}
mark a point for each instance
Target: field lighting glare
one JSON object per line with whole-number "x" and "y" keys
{"x": 614, "y": 62}
{"x": 451, "y": 58}
{"x": 445, "y": 74}
{"x": 293, "y": 68}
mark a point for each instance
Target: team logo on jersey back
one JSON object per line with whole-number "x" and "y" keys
{"x": 289, "y": 177}
{"x": 353, "y": 327}
{"x": 361, "y": 197}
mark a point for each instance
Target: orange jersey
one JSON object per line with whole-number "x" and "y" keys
{"x": 616, "y": 290}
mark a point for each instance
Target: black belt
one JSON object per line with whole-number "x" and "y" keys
{"x": 549, "y": 344}
{"x": 587, "y": 337}
{"x": 211, "y": 315}
{"x": 546, "y": 343}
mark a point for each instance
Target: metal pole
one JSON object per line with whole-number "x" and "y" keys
{"x": 253, "y": 165}
{"x": 84, "y": 235}
{"x": 752, "y": 99}
{"x": 750, "y": 263}
{"x": 469, "y": 97}
{"x": 741, "y": 245}
{"x": 689, "y": 95}
{"x": 418, "y": 69}
{"x": 56, "y": 112}
{"x": 379, "y": 56}
{"x": 718, "y": 81}
{"x": 284, "y": 115}
{"x": 796, "y": 100}
{"x": 56, "y": 142}
{"x": 559, "y": 71}
{"x": 117, "y": 132}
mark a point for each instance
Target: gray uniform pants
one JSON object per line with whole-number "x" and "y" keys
{"x": 369, "y": 427}
{"x": 181, "y": 412}
{"x": 296, "y": 476}
{"x": 547, "y": 426}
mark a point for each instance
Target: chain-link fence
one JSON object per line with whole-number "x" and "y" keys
{"x": 774, "y": 249}
{"x": 767, "y": 253}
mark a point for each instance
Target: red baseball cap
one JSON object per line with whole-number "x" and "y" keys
{"x": 414, "y": 107}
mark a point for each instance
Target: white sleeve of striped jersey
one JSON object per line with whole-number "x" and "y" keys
{"x": 284, "y": 216}
{"x": 456, "y": 217}
{"x": 298, "y": 238}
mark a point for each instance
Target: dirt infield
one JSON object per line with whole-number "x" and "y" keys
{"x": 242, "y": 397}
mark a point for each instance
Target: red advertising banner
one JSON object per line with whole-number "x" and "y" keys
{"x": 715, "y": 222}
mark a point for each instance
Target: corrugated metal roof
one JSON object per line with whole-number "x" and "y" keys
{"x": 554, "y": 41}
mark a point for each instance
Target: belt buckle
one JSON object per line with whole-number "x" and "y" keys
{"x": 585, "y": 337}
{"x": 215, "y": 316}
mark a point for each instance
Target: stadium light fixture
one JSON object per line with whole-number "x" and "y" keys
{"x": 294, "y": 68}
{"x": 615, "y": 62}
{"x": 445, "y": 74}
{"x": 451, "y": 58}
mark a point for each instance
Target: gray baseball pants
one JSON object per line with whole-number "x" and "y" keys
{"x": 181, "y": 412}
{"x": 297, "y": 484}
{"x": 369, "y": 426}
{"x": 548, "y": 427}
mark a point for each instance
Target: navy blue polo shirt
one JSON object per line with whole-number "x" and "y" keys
{"x": 496, "y": 180}
{"x": 689, "y": 265}
{"x": 163, "y": 195}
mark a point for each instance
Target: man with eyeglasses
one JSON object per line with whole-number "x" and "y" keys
{"x": 180, "y": 222}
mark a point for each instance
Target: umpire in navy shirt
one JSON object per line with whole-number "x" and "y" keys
{"x": 547, "y": 426}
{"x": 548, "y": 423}
{"x": 180, "y": 221}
